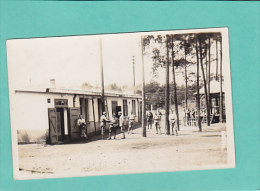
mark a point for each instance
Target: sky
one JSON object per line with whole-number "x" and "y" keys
{"x": 74, "y": 60}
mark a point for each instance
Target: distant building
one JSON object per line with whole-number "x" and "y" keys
{"x": 41, "y": 114}
{"x": 214, "y": 98}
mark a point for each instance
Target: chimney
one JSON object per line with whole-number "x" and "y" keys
{"x": 52, "y": 83}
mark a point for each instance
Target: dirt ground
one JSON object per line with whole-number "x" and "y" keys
{"x": 155, "y": 153}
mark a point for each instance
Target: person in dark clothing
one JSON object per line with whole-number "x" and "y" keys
{"x": 149, "y": 120}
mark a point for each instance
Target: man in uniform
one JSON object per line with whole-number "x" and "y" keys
{"x": 172, "y": 123}
{"x": 113, "y": 126}
{"x": 131, "y": 123}
{"x": 122, "y": 124}
{"x": 82, "y": 126}
{"x": 103, "y": 120}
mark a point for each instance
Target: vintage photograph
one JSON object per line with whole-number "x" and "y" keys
{"x": 123, "y": 103}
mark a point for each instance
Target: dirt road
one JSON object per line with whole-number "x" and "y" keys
{"x": 189, "y": 150}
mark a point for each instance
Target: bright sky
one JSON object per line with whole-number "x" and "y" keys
{"x": 76, "y": 59}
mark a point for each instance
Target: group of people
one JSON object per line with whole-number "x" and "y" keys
{"x": 190, "y": 116}
{"x": 156, "y": 119}
{"x": 122, "y": 122}
{"x": 116, "y": 122}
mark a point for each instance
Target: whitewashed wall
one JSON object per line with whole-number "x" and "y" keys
{"x": 30, "y": 113}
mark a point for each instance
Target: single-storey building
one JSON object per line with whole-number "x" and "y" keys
{"x": 50, "y": 114}
{"x": 214, "y": 99}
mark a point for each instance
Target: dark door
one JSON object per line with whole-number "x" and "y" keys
{"x": 114, "y": 105}
{"x": 74, "y": 131}
{"x": 118, "y": 109}
{"x": 53, "y": 130}
{"x": 60, "y": 123}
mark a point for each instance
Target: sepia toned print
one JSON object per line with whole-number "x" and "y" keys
{"x": 120, "y": 103}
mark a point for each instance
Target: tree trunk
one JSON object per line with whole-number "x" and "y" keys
{"x": 206, "y": 63}
{"x": 167, "y": 90}
{"x": 198, "y": 88}
{"x": 175, "y": 89}
{"x": 216, "y": 58}
{"x": 220, "y": 82}
{"x": 143, "y": 93}
{"x": 209, "y": 98}
{"x": 205, "y": 85}
{"x": 186, "y": 82}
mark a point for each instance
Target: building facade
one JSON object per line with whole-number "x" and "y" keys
{"x": 50, "y": 114}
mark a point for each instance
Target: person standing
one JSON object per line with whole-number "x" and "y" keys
{"x": 149, "y": 119}
{"x": 192, "y": 113}
{"x": 131, "y": 123}
{"x": 113, "y": 126}
{"x": 103, "y": 121}
{"x": 172, "y": 118}
{"x": 122, "y": 124}
{"x": 157, "y": 119}
{"x": 82, "y": 126}
{"x": 188, "y": 116}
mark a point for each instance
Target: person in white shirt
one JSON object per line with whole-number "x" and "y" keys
{"x": 82, "y": 126}
{"x": 172, "y": 118}
{"x": 103, "y": 121}
{"x": 157, "y": 119}
{"x": 131, "y": 123}
{"x": 113, "y": 126}
{"x": 122, "y": 124}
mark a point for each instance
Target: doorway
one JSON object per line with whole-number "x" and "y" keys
{"x": 62, "y": 123}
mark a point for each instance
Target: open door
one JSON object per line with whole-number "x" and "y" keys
{"x": 53, "y": 129}
{"x": 74, "y": 131}
{"x": 118, "y": 109}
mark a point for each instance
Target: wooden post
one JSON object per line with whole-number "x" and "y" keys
{"x": 134, "y": 73}
{"x": 102, "y": 77}
{"x": 94, "y": 118}
{"x": 143, "y": 92}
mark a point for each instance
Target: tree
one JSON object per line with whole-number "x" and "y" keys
{"x": 216, "y": 39}
{"x": 86, "y": 85}
{"x": 161, "y": 59}
{"x": 174, "y": 81}
{"x": 198, "y": 87}
{"x": 201, "y": 39}
{"x": 185, "y": 44}
{"x": 220, "y": 82}
{"x": 209, "y": 63}
{"x": 114, "y": 87}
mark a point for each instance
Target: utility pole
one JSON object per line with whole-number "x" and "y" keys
{"x": 102, "y": 76}
{"x": 134, "y": 73}
{"x": 143, "y": 92}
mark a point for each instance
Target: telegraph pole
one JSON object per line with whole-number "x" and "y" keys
{"x": 102, "y": 76}
{"x": 143, "y": 92}
{"x": 134, "y": 73}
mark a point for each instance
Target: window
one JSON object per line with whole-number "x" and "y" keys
{"x": 84, "y": 108}
{"x": 61, "y": 103}
{"x": 133, "y": 107}
{"x": 114, "y": 104}
{"x": 125, "y": 109}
